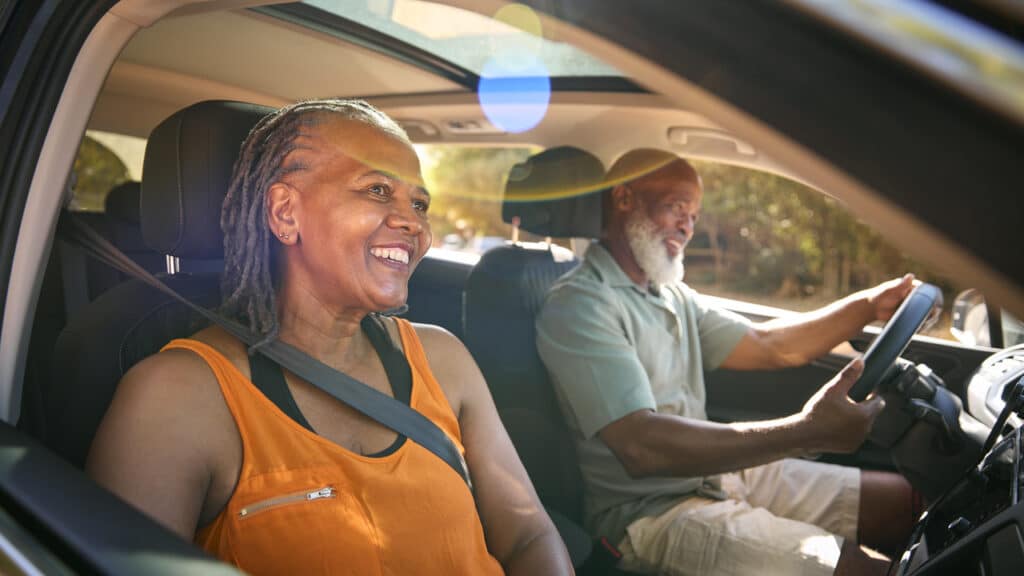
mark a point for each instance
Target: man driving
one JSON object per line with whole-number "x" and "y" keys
{"x": 627, "y": 343}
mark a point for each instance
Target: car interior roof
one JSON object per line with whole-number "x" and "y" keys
{"x": 185, "y": 58}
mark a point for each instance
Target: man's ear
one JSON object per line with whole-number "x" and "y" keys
{"x": 282, "y": 201}
{"x": 623, "y": 198}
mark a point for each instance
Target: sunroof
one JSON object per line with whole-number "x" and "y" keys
{"x": 510, "y": 42}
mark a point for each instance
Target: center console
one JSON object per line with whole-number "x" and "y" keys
{"x": 976, "y": 527}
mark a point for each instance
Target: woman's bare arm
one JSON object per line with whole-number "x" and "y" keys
{"x": 163, "y": 438}
{"x": 519, "y": 532}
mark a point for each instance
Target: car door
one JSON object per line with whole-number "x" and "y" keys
{"x": 54, "y": 520}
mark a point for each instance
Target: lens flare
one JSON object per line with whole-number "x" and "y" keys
{"x": 515, "y": 86}
{"x": 514, "y": 100}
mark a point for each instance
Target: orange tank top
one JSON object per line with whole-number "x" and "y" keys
{"x": 304, "y": 505}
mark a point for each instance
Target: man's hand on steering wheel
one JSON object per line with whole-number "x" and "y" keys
{"x": 887, "y": 296}
{"x": 831, "y": 421}
{"x": 914, "y": 312}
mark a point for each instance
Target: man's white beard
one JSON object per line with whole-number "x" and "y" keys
{"x": 650, "y": 251}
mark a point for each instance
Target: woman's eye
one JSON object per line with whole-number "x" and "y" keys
{"x": 421, "y": 206}
{"x": 379, "y": 190}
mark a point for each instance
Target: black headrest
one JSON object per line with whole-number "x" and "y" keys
{"x": 557, "y": 192}
{"x": 186, "y": 174}
{"x": 122, "y": 202}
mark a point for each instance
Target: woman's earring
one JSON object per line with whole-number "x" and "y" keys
{"x": 283, "y": 236}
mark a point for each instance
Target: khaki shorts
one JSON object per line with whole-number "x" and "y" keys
{"x": 787, "y": 517}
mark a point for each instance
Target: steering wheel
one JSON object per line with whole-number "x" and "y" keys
{"x": 893, "y": 339}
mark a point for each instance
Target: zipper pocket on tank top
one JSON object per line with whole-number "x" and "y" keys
{"x": 294, "y": 497}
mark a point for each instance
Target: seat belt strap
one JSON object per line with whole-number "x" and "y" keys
{"x": 370, "y": 402}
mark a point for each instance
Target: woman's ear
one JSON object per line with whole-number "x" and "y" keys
{"x": 282, "y": 213}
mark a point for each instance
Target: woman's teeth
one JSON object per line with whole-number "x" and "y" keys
{"x": 395, "y": 254}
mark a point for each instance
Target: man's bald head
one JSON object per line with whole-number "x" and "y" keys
{"x": 650, "y": 213}
{"x": 650, "y": 165}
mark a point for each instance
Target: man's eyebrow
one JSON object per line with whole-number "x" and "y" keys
{"x": 395, "y": 177}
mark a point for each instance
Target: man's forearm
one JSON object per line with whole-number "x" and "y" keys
{"x": 676, "y": 446}
{"x": 796, "y": 340}
{"x": 651, "y": 444}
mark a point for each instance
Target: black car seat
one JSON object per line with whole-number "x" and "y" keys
{"x": 119, "y": 223}
{"x": 186, "y": 173}
{"x": 554, "y": 193}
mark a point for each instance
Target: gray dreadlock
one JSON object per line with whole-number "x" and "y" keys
{"x": 248, "y": 284}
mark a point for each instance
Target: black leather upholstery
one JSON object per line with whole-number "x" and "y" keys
{"x": 187, "y": 169}
{"x": 186, "y": 174}
{"x": 122, "y": 203}
{"x": 120, "y": 225}
{"x": 503, "y": 294}
{"x": 100, "y": 344}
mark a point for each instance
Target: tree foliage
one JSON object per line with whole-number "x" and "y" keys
{"x": 765, "y": 234}
{"x": 96, "y": 171}
{"x": 466, "y": 186}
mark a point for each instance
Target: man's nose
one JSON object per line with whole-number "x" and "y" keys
{"x": 687, "y": 222}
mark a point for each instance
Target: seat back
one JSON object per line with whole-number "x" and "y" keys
{"x": 554, "y": 193}
{"x": 119, "y": 223}
{"x": 186, "y": 173}
{"x": 503, "y": 295}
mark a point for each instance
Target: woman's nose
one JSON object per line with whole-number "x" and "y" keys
{"x": 407, "y": 219}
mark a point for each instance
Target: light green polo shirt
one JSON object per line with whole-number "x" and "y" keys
{"x": 612, "y": 348}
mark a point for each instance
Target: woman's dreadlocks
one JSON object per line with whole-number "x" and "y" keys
{"x": 248, "y": 285}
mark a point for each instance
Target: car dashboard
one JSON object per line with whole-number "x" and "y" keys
{"x": 977, "y": 526}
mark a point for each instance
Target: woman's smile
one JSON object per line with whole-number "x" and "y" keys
{"x": 394, "y": 255}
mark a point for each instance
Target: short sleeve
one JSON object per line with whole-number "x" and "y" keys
{"x": 720, "y": 330}
{"x": 595, "y": 370}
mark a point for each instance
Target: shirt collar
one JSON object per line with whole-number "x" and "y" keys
{"x": 611, "y": 273}
{"x": 606, "y": 266}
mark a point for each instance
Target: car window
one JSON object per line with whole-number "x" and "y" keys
{"x": 1013, "y": 330}
{"x": 466, "y": 187}
{"x": 104, "y": 160}
{"x": 773, "y": 241}
{"x": 486, "y": 45}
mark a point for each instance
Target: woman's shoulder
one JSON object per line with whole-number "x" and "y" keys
{"x": 450, "y": 361}
{"x": 182, "y": 367}
{"x": 438, "y": 341}
{"x": 231, "y": 348}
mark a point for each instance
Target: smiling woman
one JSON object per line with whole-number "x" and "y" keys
{"x": 325, "y": 221}
{"x": 337, "y": 164}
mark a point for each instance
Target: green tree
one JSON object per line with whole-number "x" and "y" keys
{"x": 771, "y": 236}
{"x": 466, "y": 186}
{"x": 96, "y": 171}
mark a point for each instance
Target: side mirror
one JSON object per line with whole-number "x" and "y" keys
{"x": 970, "y": 319}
